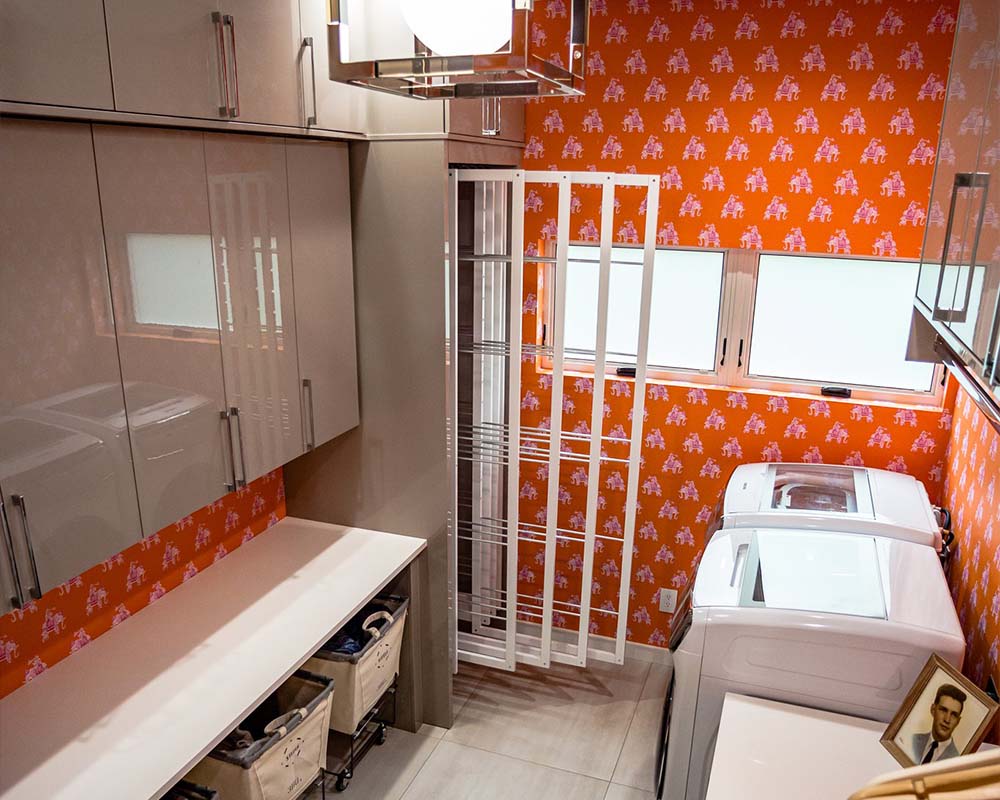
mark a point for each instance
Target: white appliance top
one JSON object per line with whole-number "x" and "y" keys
{"x": 841, "y": 576}
{"x": 826, "y": 572}
{"x": 830, "y": 497}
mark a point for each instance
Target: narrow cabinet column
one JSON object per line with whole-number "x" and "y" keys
{"x": 248, "y": 191}
{"x": 320, "y": 212}
{"x": 65, "y": 465}
{"x": 159, "y": 241}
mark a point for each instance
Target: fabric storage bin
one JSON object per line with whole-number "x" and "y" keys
{"x": 362, "y": 677}
{"x": 185, "y": 790}
{"x": 277, "y": 752}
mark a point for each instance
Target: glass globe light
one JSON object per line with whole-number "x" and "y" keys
{"x": 460, "y": 27}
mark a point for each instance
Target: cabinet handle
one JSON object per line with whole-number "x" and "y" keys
{"x": 963, "y": 180}
{"x": 224, "y": 415}
{"x": 22, "y": 506}
{"x": 308, "y": 42}
{"x": 8, "y": 540}
{"x": 307, "y": 386}
{"x": 235, "y": 413}
{"x": 220, "y": 45}
{"x": 230, "y": 21}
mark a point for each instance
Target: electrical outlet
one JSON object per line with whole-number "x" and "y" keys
{"x": 668, "y": 601}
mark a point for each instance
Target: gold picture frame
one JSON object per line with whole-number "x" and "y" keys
{"x": 930, "y": 678}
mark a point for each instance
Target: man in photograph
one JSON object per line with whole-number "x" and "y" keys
{"x": 946, "y": 713}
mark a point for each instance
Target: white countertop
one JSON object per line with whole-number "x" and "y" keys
{"x": 776, "y": 751}
{"x": 768, "y": 750}
{"x": 130, "y": 713}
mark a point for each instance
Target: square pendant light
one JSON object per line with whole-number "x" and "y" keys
{"x": 431, "y": 49}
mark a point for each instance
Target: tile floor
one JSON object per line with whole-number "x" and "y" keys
{"x": 534, "y": 734}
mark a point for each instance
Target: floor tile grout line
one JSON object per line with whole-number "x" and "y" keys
{"x": 468, "y": 697}
{"x": 628, "y": 728}
{"x": 420, "y": 769}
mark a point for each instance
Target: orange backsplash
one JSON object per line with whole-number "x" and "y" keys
{"x": 72, "y": 615}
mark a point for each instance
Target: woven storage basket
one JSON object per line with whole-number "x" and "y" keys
{"x": 292, "y": 726}
{"x": 363, "y": 677}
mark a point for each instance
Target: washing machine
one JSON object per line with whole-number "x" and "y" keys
{"x": 829, "y": 620}
{"x": 834, "y": 498}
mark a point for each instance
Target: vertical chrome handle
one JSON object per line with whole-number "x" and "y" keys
{"x": 307, "y": 386}
{"x": 220, "y": 45}
{"x": 963, "y": 180}
{"x": 22, "y": 506}
{"x": 8, "y": 540}
{"x": 224, "y": 415}
{"x": 308, "y": 42}
{"x": 491, "y": 116}
{"x": 230, "y": 21}
{"x": 235, "y": 413}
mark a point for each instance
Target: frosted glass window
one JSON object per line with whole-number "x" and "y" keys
{"x": 684, "y": 309}
{"x": 835, "y": 321}
{"x": 173, "y": 280}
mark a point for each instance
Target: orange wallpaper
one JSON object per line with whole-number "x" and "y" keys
{"x": 808, "y": 126}
{"x": 973, "y": 495}
{"x": 72, "y": 615}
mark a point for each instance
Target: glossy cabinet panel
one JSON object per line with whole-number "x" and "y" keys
{"x": 168, "y": 58}
{"x": 204, "y": 59}
{"x": 65, "y": 463}
{"x": 248, "y": 195}
{"x": 157, "y": 227}
{"x": 320, "y": 211}
{"x": 55, "y": 52}
{"x": 335, "y": 106}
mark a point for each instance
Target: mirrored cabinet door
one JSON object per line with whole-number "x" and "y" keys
{"x": 65, "y": 463}
{"x": 156, "y": 220}
{"x": 248, "y": 196}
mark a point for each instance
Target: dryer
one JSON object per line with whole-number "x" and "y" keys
{"x": 834, "y": 498}
{"x": 836, "y": 621}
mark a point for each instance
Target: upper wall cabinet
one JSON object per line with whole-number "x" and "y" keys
{"x": 54, "y": 52}
{"x": 248, "y": 196}
{"x": 199, "y": 59}
{"x": 160, "y": 259}
{"x": 320, "y": 211}
{"x": 65, "y": 463}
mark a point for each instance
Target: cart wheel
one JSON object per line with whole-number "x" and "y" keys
{"x": 342, "y": 783}
{"x": 382, "y": 735}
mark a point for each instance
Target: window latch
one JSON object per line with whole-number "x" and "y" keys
{"x": 625, "y": 372}
{"x": 739, "y": 356}
{"x": 722, "y": 361}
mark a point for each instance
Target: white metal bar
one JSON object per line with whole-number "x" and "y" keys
{"x": 480, "y": 393}
{"x": 514, "y": 408}
{"x": 638, "y": 407}
{"x": 597, "y": 413}
{"x": 484, "y": 174}
{"x": 451, "y": 278}
{"x": 558, "y": 343}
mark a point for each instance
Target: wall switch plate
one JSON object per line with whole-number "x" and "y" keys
{"x": 668, "y": 601}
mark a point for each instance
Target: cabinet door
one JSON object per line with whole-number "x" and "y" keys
{"x": 335, "y": 106}
{"x": 159, "y": 242}
{"x": 65, "y": 464}
{"x": 248, "y": 194}
{"x": 197, "y": 58}
{"x": 55, "y": 52}
{"x": 168, "y": 58}
{"x": 319, "y": 196}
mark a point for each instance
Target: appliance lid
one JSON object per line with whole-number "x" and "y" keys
{"x": 817, "y": 488}
{"x": 832, "y": 573}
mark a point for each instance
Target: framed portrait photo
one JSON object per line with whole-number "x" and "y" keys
{"x": 944, "y": 715}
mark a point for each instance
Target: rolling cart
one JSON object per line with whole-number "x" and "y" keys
{"x": 344, "y": 751}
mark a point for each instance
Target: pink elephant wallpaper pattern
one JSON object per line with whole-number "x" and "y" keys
{"x": 800, "y": 126}
{"x": 71, "y": 616}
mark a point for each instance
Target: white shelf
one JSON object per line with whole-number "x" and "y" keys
{"x": 130, "y": 713}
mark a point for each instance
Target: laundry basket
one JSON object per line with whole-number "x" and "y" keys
{"x": 277, "y": 752}
{"x": 363, "y": 676}
{"x": 185, "y": 790}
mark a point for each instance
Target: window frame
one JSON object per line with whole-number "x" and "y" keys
{"x": 734, "y": 339}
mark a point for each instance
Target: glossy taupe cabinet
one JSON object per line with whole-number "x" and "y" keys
{"x": 160, "y": 257}
{"x": 65, "y": 463}
{"x": 319, "y": 200}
